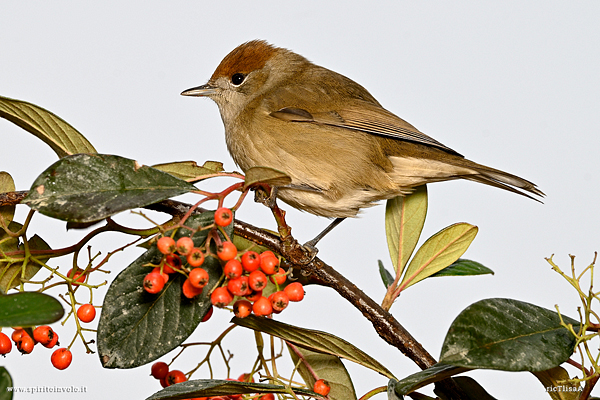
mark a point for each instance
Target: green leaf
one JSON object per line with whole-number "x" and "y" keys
{"x": 86, "y": 187}
{"x": 386, "y": 277}
{"x": 555, "y": 385}
{"x": 189, "y": 170}
{"x": 7, "y": 184}
{"x": 5, "y": 382}
{"x": 266, "y": 175}
{"x": 322, "y": 342}
{"x": 327, "y": 367}
{"x": 463, "y": 267}
{"x": 432, "y": 374}
{"x": 439, "y": 251}
{"x": 471, "y": 388}
{"x": 53, "y": 130}
{"x": 11, "y": 274}
{"x": 508, "y": 335}
{"x": 137, "y": 327}
{"x": 29, "y": 309}
{"x": 404, "y": 220}
{"x": 214, "y": 387}
{"x": 391, "y": 392}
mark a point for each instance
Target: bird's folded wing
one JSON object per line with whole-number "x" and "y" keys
{"x": 365, "y": 117}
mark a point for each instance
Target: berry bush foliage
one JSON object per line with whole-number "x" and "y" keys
{"x": 202, "y": 261}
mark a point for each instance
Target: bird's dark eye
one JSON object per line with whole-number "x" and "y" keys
{"x": 237, "y": 79}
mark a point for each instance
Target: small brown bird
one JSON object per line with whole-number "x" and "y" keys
{"x": 341, "y": 148}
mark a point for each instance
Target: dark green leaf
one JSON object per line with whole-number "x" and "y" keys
{"x": 313, "y": 340}
{"x": 463, "y": 267}
{"x": 7, "y": 184}
{"x": 472, "y": 389}
{"x": 85, "y": 187}
{"x": 213, "y": 387}
{"x": 509, "y": 335}
{"x": 432, "y": 374}
{"x": 266, "y": 175}
{"x": 325, "y": 366}
{"x": 137, "y": 327}
{"x": 29, "y": 309}
{"x": 391, "y": 392}
{"x": 56, "y": 132}
{"x": 386, "y": 277}
{"x": 5, "y": 382}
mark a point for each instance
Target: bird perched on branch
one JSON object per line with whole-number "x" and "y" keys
{"x": 341, "y": 148}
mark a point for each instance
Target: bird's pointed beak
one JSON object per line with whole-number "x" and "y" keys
{"x": 204, "y": 90}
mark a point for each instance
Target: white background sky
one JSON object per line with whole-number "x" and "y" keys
{"x": 513, "y": 85}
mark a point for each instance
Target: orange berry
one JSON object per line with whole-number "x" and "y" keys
{"x": 262, "y": 307}
{"x": 159, "y": 370}
{"x": 61, "y": 358}
{"x": 223, "y": 216}
{"x": 166, "y": 245}
{"x": 153, "y": 282}
{"x": 5, "y": 344}
{"x": 321, "y": 387}
{"x": 226, "y": 251}
{"x": 184, "y": 245}
{"x": 43, "y": 334}
{"x": 295, "y": 291}
{"x": 189, "y": 290}
{"x": 195, "y": 258}
{"x": 241, "y": 309}
{"x": 86, "y": 313}
{"x": 199, "y": 277}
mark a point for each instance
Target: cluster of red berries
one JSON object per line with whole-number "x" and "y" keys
{"x": 246, "y": 274}
{"x": 246, "y": 278}
{"x": 160, "y": 371}
{"x": 45, "y": 335}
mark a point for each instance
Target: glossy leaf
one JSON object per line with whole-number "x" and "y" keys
{"x": 386, "y": 276}
{"x": 322, "y": 342}
{"x": 508, "y": 335}
{"x": 7, "y": 184}
{"x": 12, "y": 273}
{"x": 391, "y": 392}
{"x": 554, "y": 381}
{"x": 327, "y": 367}
{"x": 432, "y": 374}
{"x": 404, "y": 220}
{"x": 189, "y": 170}
{"x": 29, "y": 309}
{"x": 5, "y": 382}
{"x": 471, "y": 388}
{"x": 45, "y": 125}
{"x": 85, "y": 188}
{"x": 463, "y": 267}
{"x": 438, "y": 252}
{"x": 266, "y": 175}
{"x": 215, "y": 387}
{"x": 137, "y": 327}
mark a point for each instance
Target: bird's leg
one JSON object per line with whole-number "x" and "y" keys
{"x": 310, "y": 245}
{"x": 270, "y": 200}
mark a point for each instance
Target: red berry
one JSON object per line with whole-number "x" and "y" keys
{"x": 166, "y": 245}
{"x": 295, "y": 291}
{"x": 189, "y": 290}
{"x": 208, "y": 314}
{"x": 77, "y": 276}
{"x": 279, "y": 277}
{"x": 25, "y": 345}
{"x": 262, "y": 307}
{"x": 86, "y": 313}
{"x": 254, "y": 295}
{"x": 257, "y": 280}
{"x": 322, "y": 387}
{"x": 223, "y": 216}
{"x": 245, "y": 378}
{"x": 5, "y": 344}
{"x": 153, "y": 282}
{"x": 268, "y": 263}
{"x": 195, "y": 258}
{"x": 238, "y": 286}
{"x": 163, "y": 274}
{"x": 172, "y": 263}
{"x": 43, "y": 334}
{"x": 220, "y": 297}
{"x": 250, "y": 261}
{"x": 233, "y": 269}
{"x": 198, "y": 277}
{"x": 61, "y": 358}
{"x": 18, "y": 334}
{"x": 53, "y": 342}
{"x": 226, "y": 251}
{"x": 268, "y": 396}
{"x": 184, "y": 245}
{"x": 242, "y": 308}
{"x": 175, "y": 376}
{"x": 279, "y": 301}
{"x": 159, "y": 370}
